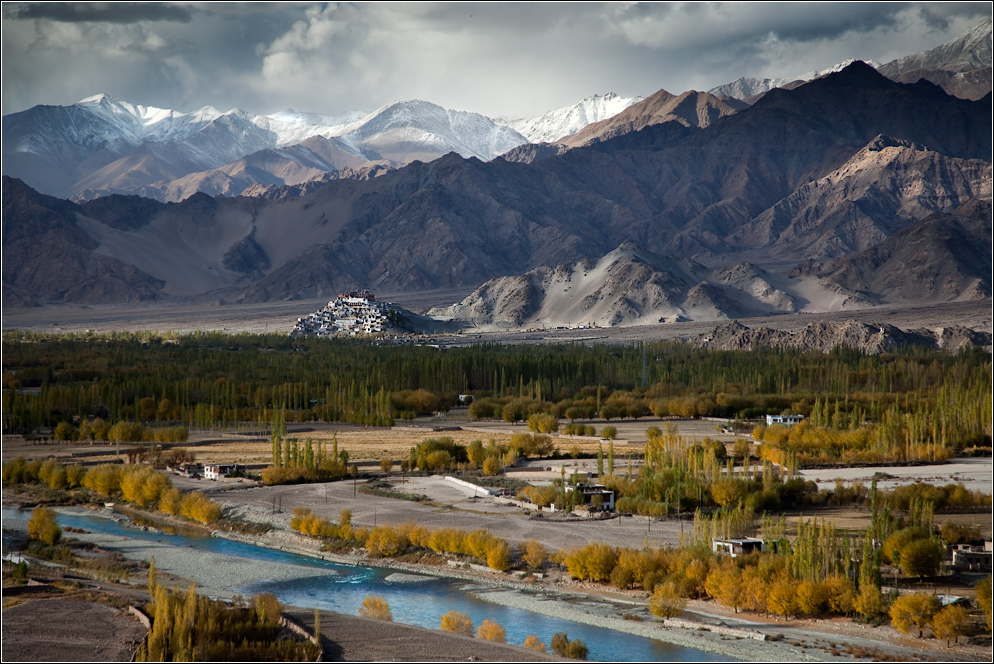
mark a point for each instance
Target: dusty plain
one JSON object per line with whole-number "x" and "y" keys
{"x": 185, "y": 316}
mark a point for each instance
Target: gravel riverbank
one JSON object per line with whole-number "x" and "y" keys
{"x": 703, "y": 627}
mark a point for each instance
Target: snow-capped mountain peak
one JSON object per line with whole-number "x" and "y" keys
{"x": 567, "y": 120}
{"x": 745, "y": 87}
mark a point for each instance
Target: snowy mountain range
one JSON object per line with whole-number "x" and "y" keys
{"x": 101, "y": 145}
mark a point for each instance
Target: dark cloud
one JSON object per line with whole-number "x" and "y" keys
{"x": 510, "y": 59}
{"x": 103, "y": 12}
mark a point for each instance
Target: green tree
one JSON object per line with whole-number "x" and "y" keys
{"x": 609, "y": 432}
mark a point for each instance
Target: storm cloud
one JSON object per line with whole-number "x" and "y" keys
{"x": 509, "y": 60}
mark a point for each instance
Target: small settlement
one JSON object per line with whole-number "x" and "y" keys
{"x": 351, "y": 314}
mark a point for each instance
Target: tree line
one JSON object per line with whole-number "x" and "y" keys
{"x": 213, "y": 379}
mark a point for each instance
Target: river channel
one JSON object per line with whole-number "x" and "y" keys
{"x": 416, "y": 600}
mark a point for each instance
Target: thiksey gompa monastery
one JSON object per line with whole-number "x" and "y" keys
{"x": 350, "y": 314}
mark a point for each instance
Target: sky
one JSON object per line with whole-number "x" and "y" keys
{"x": 503, "y": 60}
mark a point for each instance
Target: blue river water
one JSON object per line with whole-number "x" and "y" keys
{"x": 420, "y": 604}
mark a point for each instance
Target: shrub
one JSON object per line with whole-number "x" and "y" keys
{"x": 532, "y": 642}
{"x": 985, "y": 599}
{"x": 376, "y": 607}
{"x": 576, "y": 649}
{"x": 457, "y": 623}
{"x": 564, "y": 647}
{"x": 491, "y": 631}
{"x": 666, "y": 600}
{"x": 595, "y": 561}
{"x": 199, "y": 507}
{"x": 491, "y": 466}
{"x": 533, "y": 553}
{"x": 498, "y": 557}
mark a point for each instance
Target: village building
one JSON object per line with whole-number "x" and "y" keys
{"x": 596, "y": 495}
{"x": 737, "y": 546}
{"x": 973, "y": 558}
{"x": 786, "y": 420}
{"x": 216, "y": 471}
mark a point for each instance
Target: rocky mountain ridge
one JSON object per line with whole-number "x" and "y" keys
{"x": 827, "y": 336}
{"x": 787, "y": 169}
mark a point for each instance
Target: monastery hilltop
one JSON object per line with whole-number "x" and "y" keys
{"x": 352, "y": 314}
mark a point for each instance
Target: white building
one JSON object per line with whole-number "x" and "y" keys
{"x": 786, "y": 420}
{"x": 737, "y": 546}
{"x": 218, "y": 470}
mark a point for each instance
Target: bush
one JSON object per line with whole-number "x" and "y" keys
{"x": 199, "y": 507}
{"x": 666, "y": 600}
{"x": 491, "y": 466}
{"x": 375, "y": 607}
{"x": 576, "y": 649}
{"x": 491, "y": 631}
{"x": 564, "y": 647}
{"x": 457, "y": 623}
{"x": 532, "y": 642}
{"x": 533, "y": 553}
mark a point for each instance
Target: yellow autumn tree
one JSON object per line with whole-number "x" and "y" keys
{"x": 913, "y": 612}
{"x": 532, "y": 642}
{"x": 666, "y": 601}
{"x": 491, "y": 631}
{"x": 376, "y": 607}
{"x": 951, "y": 623}
{"x": 457, "y": 623}
{"x": 533, "y": 553}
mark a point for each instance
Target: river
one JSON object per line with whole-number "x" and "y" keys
{"x": 420, "y": 602}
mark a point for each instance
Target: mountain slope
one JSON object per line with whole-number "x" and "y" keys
{"x": 625, "y": 287}
{"x": 961, "y": 67}
{"x": 942, "y": 258}
{"x": 672, "y": 190}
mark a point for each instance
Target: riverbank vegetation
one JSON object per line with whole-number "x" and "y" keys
{"x": 390, "y": 541}
{"x": 187, "y": 626}
{"x": 142, "y": 486}
{"x": 910, "y": 405}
